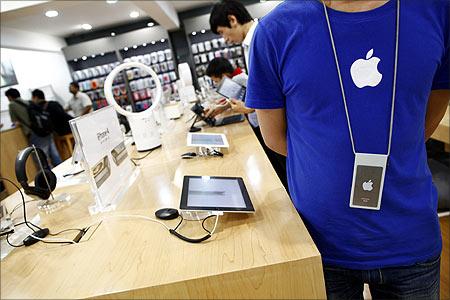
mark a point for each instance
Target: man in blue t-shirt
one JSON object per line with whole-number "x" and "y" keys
{"x": 295, "y": 87}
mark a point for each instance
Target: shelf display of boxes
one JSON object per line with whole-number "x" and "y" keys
{"x": 132, "y": 88}
{"x": 205, "y": 46}
{"x": 90, "y": 73}
{"x": 157, "y": 55}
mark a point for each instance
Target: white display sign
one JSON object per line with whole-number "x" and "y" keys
{"x": 104, "y": 154}
{"x": 187, "y": 94}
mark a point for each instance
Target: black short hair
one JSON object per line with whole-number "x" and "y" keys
{"x": 13, "y": 93}
{"x": 223, "y": 9}
{"x": 75, "y": 84}
{"x": 38, "y": 94}
{"x": 218, "y": 67}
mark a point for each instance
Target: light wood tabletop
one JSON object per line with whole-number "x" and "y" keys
{"x": 11, "y": 142}
{"x": 442, "y": 132}
{"x": 268, "y": 254}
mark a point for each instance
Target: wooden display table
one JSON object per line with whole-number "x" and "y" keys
{"x": 442, "y": 132}
{"x": 65, "y": 145}
{"x": 268, "y": 254}
{"x": 11, "y": 142}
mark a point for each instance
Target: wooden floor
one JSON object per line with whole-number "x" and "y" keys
{"x": 445, "y": 258}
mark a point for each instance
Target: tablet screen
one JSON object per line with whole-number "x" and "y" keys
{"x": 215, "y": 193}
{"x": 207, "y": 140}
{"x": 210, "y": 139}
{"x": 231, "y": 89}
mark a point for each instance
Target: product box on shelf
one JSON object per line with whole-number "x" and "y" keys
{"x": 204, "y": 51}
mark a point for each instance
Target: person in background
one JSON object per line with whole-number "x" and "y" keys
{"x": 46, "y": 143}
{"x": 80, "y": 104}
{"x": 322, "y": 120}
{"x": 231, "y": 20}
{"x": 59, "y": 118}
{"x": 221, "y": 67}
{"x": 18, "y": 111}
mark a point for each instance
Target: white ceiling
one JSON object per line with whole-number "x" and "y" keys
{"x": 74, "y": 13}
{"x": 186, "y": 5}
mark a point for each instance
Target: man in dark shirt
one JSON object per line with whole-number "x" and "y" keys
{"x": 46, "y": 143}
{"x": 60, "y": 119}
{"x": 18, "y": 111}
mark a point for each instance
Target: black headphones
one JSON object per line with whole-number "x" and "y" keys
{"x": 40, "y": 187}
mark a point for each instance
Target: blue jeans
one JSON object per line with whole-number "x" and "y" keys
{"x": 47, "y": 144}
{"x": 419, "y": 281}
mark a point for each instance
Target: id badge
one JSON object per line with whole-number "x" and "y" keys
{"x": 368, "y": 181}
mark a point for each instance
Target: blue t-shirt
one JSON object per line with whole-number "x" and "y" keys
{"x": 293, "y": 67}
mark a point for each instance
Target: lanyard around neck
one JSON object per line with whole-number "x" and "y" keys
{"x": 342, "y": 85}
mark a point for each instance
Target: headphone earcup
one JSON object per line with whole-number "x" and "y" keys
{"x": 41, "y": 183}
{"x": 41, "y": 193}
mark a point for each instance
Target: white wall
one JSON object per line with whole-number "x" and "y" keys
{"x": 36, "y": 69}
{"x": 21, "y": 39}
{"x": 37, "y": 60}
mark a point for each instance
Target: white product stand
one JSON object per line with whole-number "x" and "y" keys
{"x": 104, "y": 157}
{"x": 143, "y": 125}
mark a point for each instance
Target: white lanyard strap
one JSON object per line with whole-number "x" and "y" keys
{"x": 342, "y": 85}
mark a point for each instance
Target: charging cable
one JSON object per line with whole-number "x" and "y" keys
{"x": 67, "y": 241}
{"x": 51, "y": 240}
{"x": 172, "y": 231}
{"x": 137, "y": 217}
{"x": 195, "y": 241}
{"x": 28, "y": 223}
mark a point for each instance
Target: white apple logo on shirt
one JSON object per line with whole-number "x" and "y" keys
{"x": 367, "y": 186}
{"x": 365, "y": 71}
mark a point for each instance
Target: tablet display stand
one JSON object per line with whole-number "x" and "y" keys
{"x": 195, "y": 215}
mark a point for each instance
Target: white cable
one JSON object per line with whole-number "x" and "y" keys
{"x": 110, "y": 217}
{"x": 137, "y": 217}
{"x": 53, "y": 240}
{"x": 215, "y": 225}
{"x": 394, "y": 85}
{"x": 154, "y": 220}
{"x": 120, "y": 216}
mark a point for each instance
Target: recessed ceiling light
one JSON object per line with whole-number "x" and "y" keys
{"x": 153, "y": 42}
{"x": 84, "y": 58}
{"x": 150, "y": 24}
{"x": 86, "y": 26}
{"x": 134, "y": 14}
{"x": 203, "y": 31}
{"x": 134, "y": 46}
{"x": 194, "y": 33}
{"x": 126, "y": 48}
{"x": 144, "y": 44}
{"x": 111, "y": 1}
{"x": 93, "y": 55}
{"x": 102, "y": 53}
{"x": 113, "y": 33}
{"x": 163, "y": 40}
{"x": 75, "y": 60}
{"x": 51, "y": 13}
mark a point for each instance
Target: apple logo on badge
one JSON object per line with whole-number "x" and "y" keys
{"x": 368, "y": 185}
{"x": 365, "y": 71}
